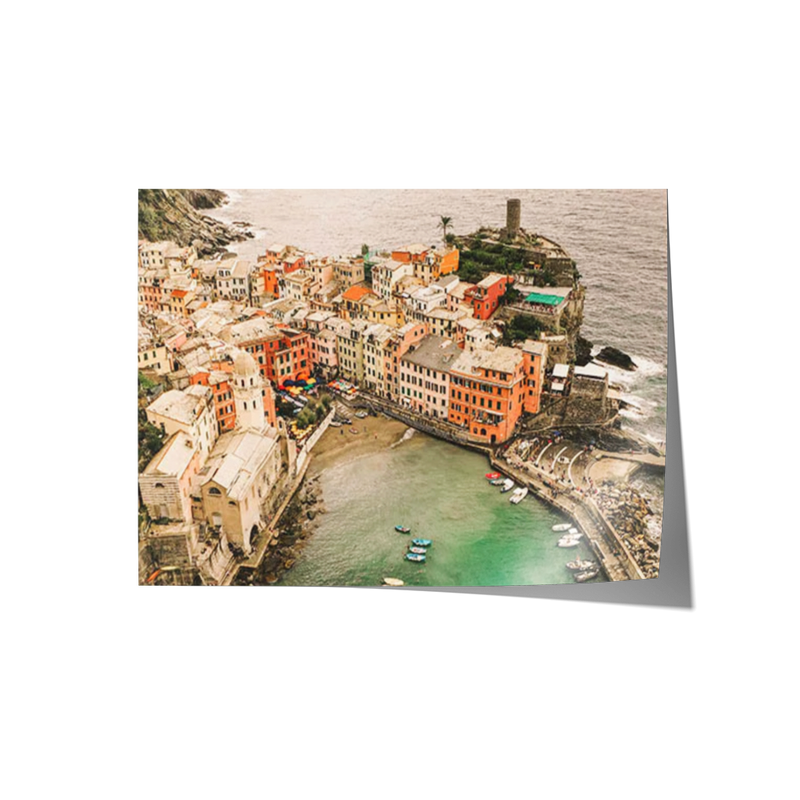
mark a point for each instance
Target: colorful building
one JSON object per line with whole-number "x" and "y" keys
{"x": 535, "y": 362}
{"x": 485, "y": 296}
{"x": 487, "y": 393}
{"x": 425, "y": 377}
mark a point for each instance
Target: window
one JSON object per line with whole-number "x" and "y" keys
{"x": 213, "y": 490}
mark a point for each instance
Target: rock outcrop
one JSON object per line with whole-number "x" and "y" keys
{"x": 616, "y": 358}
{"x": 172, "y": 215}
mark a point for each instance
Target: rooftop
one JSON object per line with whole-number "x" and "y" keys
{"x": 256, "y": 328}
{"x": 501, "y": 359}
{"x": 173, "y": 458}
{"x": 355, "y": 293}
{"x": 560, "y": 370}
{"x": 491, "y": 279}
{"x": 531, "y": 346}
{"x": 178, "y": 405}
{"x": 413, "y": 249}
{"x": 434, "y": 352}
{"x": 236, "y": 459}
{"x": 590, "y": 371}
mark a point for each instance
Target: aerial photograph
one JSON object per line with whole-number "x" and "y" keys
{"x": 401, "y": 387}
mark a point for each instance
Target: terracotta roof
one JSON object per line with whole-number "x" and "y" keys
{"x": 179, "y": 293}
{"x": 356, "y": 293}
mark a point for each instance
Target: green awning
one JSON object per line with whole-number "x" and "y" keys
{"x": 545, "y": 299}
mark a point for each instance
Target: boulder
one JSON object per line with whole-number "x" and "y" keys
{"x": 616, "y": 358}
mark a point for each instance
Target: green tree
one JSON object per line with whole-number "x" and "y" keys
{"x": 444, "y": 224}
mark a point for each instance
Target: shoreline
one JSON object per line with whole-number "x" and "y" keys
{"x": 338, "y": 445}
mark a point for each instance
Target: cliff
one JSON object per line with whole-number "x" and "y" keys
{"x": 173, "y": 215}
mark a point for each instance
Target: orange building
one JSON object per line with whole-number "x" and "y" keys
{"x": 485, "y": 296}
{"x": 486, "y": 393}
{"x": 534, "y": 356}
{"x": 352, "y": 302}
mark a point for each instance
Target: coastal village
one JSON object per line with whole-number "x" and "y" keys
{"x": 244, "y": 366}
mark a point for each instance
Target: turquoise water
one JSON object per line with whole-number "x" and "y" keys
{"x": 439, "y": 491}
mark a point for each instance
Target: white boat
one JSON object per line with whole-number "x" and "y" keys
{"x": 579, "y": 566}
{"x": 507, "y": 486}
{"x": 569, "y": 541}
{"x": 519, "y": 495}
{"x": 586, "y": 575}
{"x": 572, "y": 530}
{"x": 564, "y": 526}
{"x": 393, "y": 582}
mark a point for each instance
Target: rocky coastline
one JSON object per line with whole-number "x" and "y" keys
{"x": 174, "y": 215}
{"x": 297, "y": 523}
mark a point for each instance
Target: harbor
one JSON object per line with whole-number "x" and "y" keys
{"x": 439, "y": 491}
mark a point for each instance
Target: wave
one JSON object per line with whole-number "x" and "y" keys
{"x": 646, "y": 368}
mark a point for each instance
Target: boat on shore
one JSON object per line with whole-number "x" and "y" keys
{"x": 393, "y": 582}
{"x": 519, "y": 495}
{"x": 353, "y": 430}
{"x": 586, "y": 575}
{"x": 416, "y": 557}
{"x": 507, "y": 486}
{"x": 421, "y": 542}
{"x": 402, "y": 529}
{"x": 564, "y": 526}
{"x": 335, "y": 424}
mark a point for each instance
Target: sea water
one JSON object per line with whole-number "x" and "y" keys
{"x": 439, "y": 491}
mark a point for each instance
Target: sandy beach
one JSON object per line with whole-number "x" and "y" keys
{"x": 339, "y": 444}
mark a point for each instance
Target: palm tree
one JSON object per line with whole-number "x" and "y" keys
{"x": 444, "y": 224}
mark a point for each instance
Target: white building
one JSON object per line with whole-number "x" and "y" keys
{"x": 386, "y": 274}
{"x": 190, "y": 411}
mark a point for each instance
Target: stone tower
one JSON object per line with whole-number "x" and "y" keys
{"x": 513, "y": 210}
{"x": 247, "y": 385}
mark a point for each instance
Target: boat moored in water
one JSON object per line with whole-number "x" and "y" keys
{"x": 507, "y": 486}
{"x": 498, "y": 481}
{"x": 579, "y": 565}
{"x": 421, "y": 542}
{"x": 519, "y": 495}
{"x": 586, "y": 575}
{"x": 420, "y": 551}
{"x": 393, "y": 582}
{"x": 569, "y": 541}
{"x": 491, "y": 476}
{"x": 564, "y": 526}
{"x": 417, "y": 557}
{"x": 402, "y": 529}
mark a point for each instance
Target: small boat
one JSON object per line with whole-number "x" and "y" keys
{"x": 568, "y": 541}
{"x": 361, "y": 414}
{"x": 498, "y": 481}
{"x": 353, "y": 430}
{"x": 586, "y": 575}
{"x": 580, "y": 566}
{"x": 420, "y": 551}
{"x": 564, "y": 526}
{"x": 492, "y": 476}
{"x": 508, "y": 485}
{"x": 519, "y": 495}
{"x": 402, "y": 529}
{"x": 421, "y": 542}
{"x": 572, "y": 531}
{"x": 335, "y": 424}
{"x": 393, "y": 582}
{"x": 415, "y": 557}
